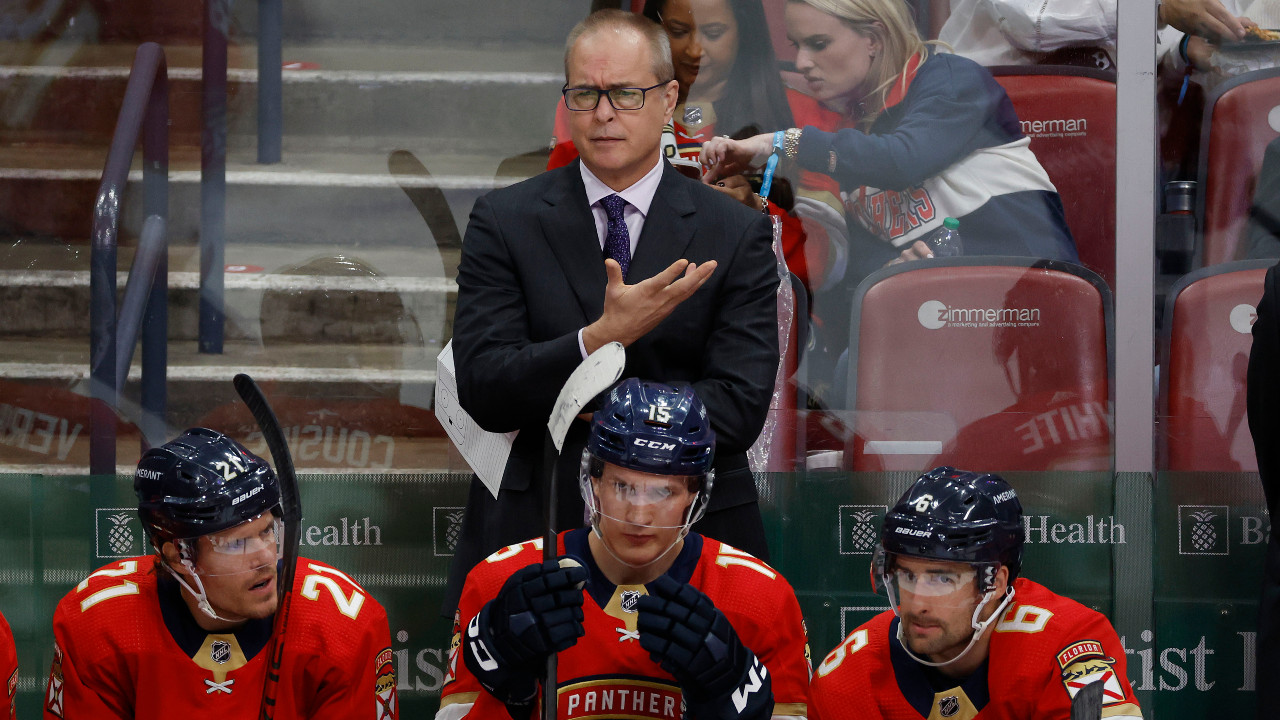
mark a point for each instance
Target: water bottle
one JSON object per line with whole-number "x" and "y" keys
{"x": 945, "y": 241}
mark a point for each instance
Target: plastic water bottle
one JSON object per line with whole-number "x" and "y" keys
{"x": 945, "y": 241}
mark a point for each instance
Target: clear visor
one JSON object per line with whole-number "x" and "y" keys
{"x": 248, "y": 547}
{"x": 660, "y": 502}
{"x": 941, "y": 588}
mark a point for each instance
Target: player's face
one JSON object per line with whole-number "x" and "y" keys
{"x": 642, "y": 515}
{"x": 835, "y": 59}
{"x": 618, "y": 146}
{"x": 238, "y": 568}
{"x": 704, "y": 45}
{"x": 937, "y": 600}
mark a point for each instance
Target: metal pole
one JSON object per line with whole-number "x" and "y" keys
{"x": 213, "y": 173}
{"x": 270, "y": 82}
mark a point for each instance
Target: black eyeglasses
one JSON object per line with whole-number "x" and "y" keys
{"x": 585, "y": 99}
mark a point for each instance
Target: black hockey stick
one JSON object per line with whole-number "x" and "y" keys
{"x": 252, "y": 396}
{"x": 593, "y": 376}
{"x": 1087, "y": 703}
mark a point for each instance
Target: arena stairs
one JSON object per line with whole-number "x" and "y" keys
{"x": 338, "y": 293}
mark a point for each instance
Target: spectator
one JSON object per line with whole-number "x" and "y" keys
{"x": 1263, "y": 392}
{"x": 536, "y": 294}
{"x": 966, "y": 636}
{"x": 637, "y": 606}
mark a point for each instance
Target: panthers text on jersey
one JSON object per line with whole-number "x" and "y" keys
{"x": 1043, "y": 650}
{"x": 126, "y": 646}
{"x": 606, "y": 673}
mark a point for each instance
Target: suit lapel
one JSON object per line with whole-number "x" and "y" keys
{"x": 668, "y": 228}
{"x": 569, "y": 230}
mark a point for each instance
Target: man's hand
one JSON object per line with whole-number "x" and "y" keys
{"x": 917, "y": 250}
{"x": 724, "y": 157}
{"x": 630, "y": 311}
{"x": 537, "y": 612}
{"x": 688, "y": 637}
{"x": 1207, "y": 18}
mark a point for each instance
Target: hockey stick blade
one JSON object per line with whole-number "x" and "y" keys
{"x": 291, "y": 503}
{"x": 428, "y": 200}
{"x": 1087, "y": 703}
{"x": 601, "y": 369}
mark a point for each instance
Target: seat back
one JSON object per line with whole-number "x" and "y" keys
{"x": 1241, "y": 116}
{"x": 998, "y": 364}
{"x": 1070, "y": 115}
{"x": 1205, "y": 348}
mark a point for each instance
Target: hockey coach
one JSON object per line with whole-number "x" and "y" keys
{"x": 967, "y": 638}
{"x": 187, "y": 633}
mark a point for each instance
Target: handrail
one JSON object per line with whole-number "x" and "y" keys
{"x": 145, "y": 112}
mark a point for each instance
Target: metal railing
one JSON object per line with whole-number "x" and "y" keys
{"x": 144, "y": 310}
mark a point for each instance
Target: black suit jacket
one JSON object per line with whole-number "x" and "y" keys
{"x": 1263, "y": 393}
{"x": 532, "y": 275}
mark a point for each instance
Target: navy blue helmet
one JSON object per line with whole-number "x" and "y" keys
{"x": 202, "y": 482}
{"x": 654, "y": 428}
{"x": 958, "y": 516}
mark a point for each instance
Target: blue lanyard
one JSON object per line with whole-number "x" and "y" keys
{"x": 771, "y": 165}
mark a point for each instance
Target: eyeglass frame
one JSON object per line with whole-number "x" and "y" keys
{"x": 644, "y": 95}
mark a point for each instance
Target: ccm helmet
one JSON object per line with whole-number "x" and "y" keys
{"x": 200, "y": 483}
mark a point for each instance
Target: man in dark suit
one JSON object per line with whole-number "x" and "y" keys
{"x": 1263, "y": 394}
{"x": 691, "y": 295}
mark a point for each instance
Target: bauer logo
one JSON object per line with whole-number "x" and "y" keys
{"x": 119, "y": 532}
{"x": 1242, "y": 318}
{"x": 1203, "y": 530}
{"x": 860, "y": 528}
{"x": 935, "y": 315}
{"x": 446, "y": 526}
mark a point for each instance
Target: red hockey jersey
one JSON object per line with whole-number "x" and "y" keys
{"x": 1043, "y": 650}
{"x": 126, "y": 646}
{"x": 606, "y": 673}
{"x": 8, "y": 669}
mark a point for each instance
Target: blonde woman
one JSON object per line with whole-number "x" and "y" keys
{"x": 924, "y": 135}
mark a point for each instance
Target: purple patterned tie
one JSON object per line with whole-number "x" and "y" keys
{"x": 617, "y": 241}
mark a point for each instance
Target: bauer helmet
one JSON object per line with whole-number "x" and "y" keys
{"x": 200, "y": 483}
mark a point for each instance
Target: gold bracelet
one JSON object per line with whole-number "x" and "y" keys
{"x": 764, "y": 203}
{"x": 791, "y": 142}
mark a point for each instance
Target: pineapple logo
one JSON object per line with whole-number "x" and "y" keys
{"x": 1202, "y": 530}
{"x": 860, "y": 528}
{"x": 118, "y": 532}
{"x": 446, "y": 523}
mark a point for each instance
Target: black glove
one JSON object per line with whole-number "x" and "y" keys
{"x": 537, "y": 612}
{"x": 688, "y": 637}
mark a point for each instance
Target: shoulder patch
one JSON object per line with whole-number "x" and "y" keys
{"x": 53, "y": 693}
{"x": 384, "y": 673}
{"x": 1086, "y": 662}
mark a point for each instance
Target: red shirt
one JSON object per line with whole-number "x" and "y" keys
{"x": 119, "y": 639}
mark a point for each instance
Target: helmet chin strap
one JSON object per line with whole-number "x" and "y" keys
{"x": 979, "y": 627}
{"x": 202, "y": 598}
{"x": 596, "y": 514}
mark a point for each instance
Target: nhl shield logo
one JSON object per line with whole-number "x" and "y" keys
{"x": 446, "y": 525}
{"x": 629, "y": 600}
{"x": 1203, "y": 530}
{"x": 119, "y": 533}
{"x": 220, "y": 651}
{"x": 860, "y": 528}
{"x": 949, "y": 706}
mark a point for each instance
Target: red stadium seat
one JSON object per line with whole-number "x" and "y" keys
{"x": 1070, "y": 115}
{"x": 1205, "y": 355}
{"x": 1241, "y": 116}
{"x": 993, "y": 364}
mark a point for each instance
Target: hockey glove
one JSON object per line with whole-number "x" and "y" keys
{"x": 688, "y": 637}
{"x": 537, "y": 612}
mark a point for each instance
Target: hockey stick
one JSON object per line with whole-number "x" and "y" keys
{"x": 593, "y": 376}
{"x": 252, "y": 396}
{"x": 1087, "y": 703}
{"x": 427, "y": 199}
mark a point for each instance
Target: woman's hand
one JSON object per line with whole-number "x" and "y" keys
{"x": 725, "y": 157}
{"x": 738, "y": 188}
{"x": 917, "y": 250}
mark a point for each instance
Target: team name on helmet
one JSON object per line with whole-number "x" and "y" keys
{"x": 246, "y": 495}
{"x": 912, "y": 531}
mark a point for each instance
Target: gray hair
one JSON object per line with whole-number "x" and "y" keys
{"x": 613, "y": 18}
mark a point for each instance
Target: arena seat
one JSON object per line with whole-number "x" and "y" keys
{"x": 1241, "y": 116}
{"x": 991, "y": 363}
{"x": 1205, "y": 348}
{"x": 1070, "y": 115}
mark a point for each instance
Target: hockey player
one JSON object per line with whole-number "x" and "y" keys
{"x": 649, "y": 619}
{"x": 967, "y": 638}
{"x": 185, "y": 633}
